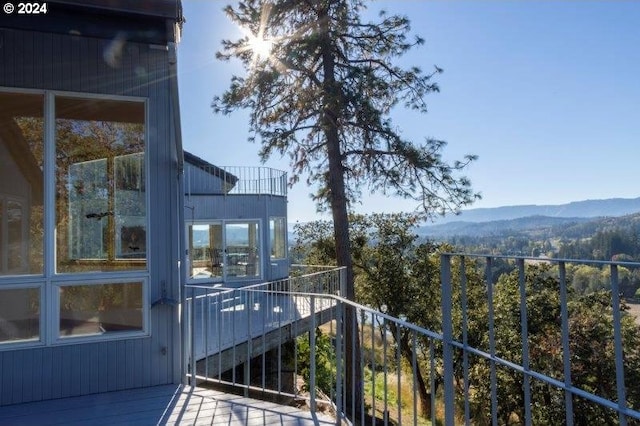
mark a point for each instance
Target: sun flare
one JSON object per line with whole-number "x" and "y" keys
{"x": 260, "y": 47}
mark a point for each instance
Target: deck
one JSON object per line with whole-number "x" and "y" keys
{"x": 159, "y": 405}
{"x": 224, "y": 323}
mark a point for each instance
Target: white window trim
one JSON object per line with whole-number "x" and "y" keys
{"x": 54, "y": 328}
{"x": 225, "y": 278}
{"x": 284, "y": 240}
{"x": 30, "y": 343}
{"x": 49, "y": 281}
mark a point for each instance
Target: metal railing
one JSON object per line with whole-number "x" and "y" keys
{"x": 299, "y": 340}
{"x": 573, "y": 369}
{"x": 244, "y": 180}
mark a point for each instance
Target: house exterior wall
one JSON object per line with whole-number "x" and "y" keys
{"x": 202, "y": 208}
{"x": 78, "y": 65}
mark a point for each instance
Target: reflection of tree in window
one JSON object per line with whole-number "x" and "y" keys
{"x": 100, "y": 184}
{"x": 21, "y": 183}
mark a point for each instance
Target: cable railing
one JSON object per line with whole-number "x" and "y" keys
{"x": 492, "y": 360}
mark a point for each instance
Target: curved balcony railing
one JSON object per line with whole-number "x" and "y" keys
{"x": 235, "y": 180}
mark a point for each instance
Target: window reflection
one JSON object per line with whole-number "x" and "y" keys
{"x": 96, "y": 309}
{"x": 243, "y": 249}
{"x": 224, "y": 250}
{"x": 100, "y": 185}
{"x": 206, "y": 251}
{"x": 19, "y": 314}
{"x": 278, "y": 237}
{"x": 21, "y": 183}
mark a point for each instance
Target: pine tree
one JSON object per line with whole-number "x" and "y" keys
{"x": 320, "y": 85}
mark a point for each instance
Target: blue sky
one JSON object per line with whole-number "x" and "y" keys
{"x": 546, "y": 93}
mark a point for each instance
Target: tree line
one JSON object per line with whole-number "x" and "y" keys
{"x": 398, "y": 272}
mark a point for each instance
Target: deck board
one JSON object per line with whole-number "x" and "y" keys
{"x": 159, "y": 405}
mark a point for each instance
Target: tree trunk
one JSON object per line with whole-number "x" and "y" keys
{"x": 425, "y": 397}
{"x": 338, "y": 203}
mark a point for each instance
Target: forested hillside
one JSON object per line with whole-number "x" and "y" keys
{"x": 578, "y": 238}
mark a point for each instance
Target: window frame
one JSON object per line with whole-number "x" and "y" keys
{"x": 50, "y": 280}
{"x": 54, "y": 327}
{"x": 42, "y": 335}
{"x": 273, "y": 242}
{"x": 225, "y": 278}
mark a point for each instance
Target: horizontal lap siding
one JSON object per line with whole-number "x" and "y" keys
{"x": 73, "y": 63}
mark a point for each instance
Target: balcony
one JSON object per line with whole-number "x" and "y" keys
{"x": 270, "y": 336}
{"x": 287, "y": 342}
{"x": 204, "y": 178}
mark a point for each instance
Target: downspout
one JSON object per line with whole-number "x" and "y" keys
{"x": 180, "y": 362}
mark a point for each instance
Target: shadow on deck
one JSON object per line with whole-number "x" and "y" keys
{"x": 159, "y": 405}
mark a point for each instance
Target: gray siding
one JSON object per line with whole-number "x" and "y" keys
{"x": 73, "y": 63}
{"x": 236, "y": 206}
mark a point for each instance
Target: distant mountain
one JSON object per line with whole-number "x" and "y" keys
{"x": 577, "y": 209}
{"x": 535, "y": 226}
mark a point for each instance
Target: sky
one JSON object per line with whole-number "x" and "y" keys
{"x": 546, "y": 93}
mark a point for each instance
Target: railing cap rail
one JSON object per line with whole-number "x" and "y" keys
{"x": 544, "y": 259}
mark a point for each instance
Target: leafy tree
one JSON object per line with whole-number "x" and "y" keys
{"x": 325, "y": 361}
{"x": 396, "y": 273}
{"x": 591, "y": 347}
{"x": 324, "y": 94}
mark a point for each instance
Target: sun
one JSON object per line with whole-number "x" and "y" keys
{"x": 261, "y": 47}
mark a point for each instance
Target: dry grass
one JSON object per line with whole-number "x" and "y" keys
{"x": 634, "y": 309}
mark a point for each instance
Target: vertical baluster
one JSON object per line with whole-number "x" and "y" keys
{"x": 432, "y": 380}
{"x": 312, "y": 357}
{"x": 385, "y": 408}
{"x": 414, "y": 369}
{"x": 465, "y": 338}
{"x": 617, "y": 339}
{"x": 373, "y": 368}
{"x": 492, "y": 344}
{"x": 339, "y": 364}
{"x": 524, "y": 332}
{"x": 248, "y": 304}
{"x": 447, "y": 332}
{"x": 566, "y": 351}
{"x": 399, "y": 372}
{"x": 353, "y": 360}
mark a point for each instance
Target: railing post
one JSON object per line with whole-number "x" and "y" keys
{"x": 343, "y": 282}
{"x": 524, "y": 333}
{"x": 447, "y": 334}
{"x": 312, "y": 356}
{"x": 618, "y": 349}
{"x": 339, "y": 368}
{"x": 192, "y": 319}
{"x": 566, "y": 349}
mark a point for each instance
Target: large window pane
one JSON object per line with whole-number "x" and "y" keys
{"x": 100, "y": 185}
{"x": 19, "y": 314}
{"x": 96, "y": 309}
{"x": 243, "y": 249}
{"x": 21, "y": 184}
{"x": 278, "y": 237}
{"x": 206, "y": 251}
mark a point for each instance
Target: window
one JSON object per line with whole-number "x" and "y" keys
{"x": 62, "y": 255}
{"x": 206, "y": 251}
{"x": 224, "y": 250}
{"x": 243, "y": 249}
{"x": 19, "y": 314}
{"x": 278, "y": 237}
{"x": 100, "y": 185}
{"x": 98, "y": 308}
{"x": 21, "y": 183}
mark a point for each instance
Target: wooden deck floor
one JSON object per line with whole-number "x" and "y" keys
{"x": 160, "y": 405}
